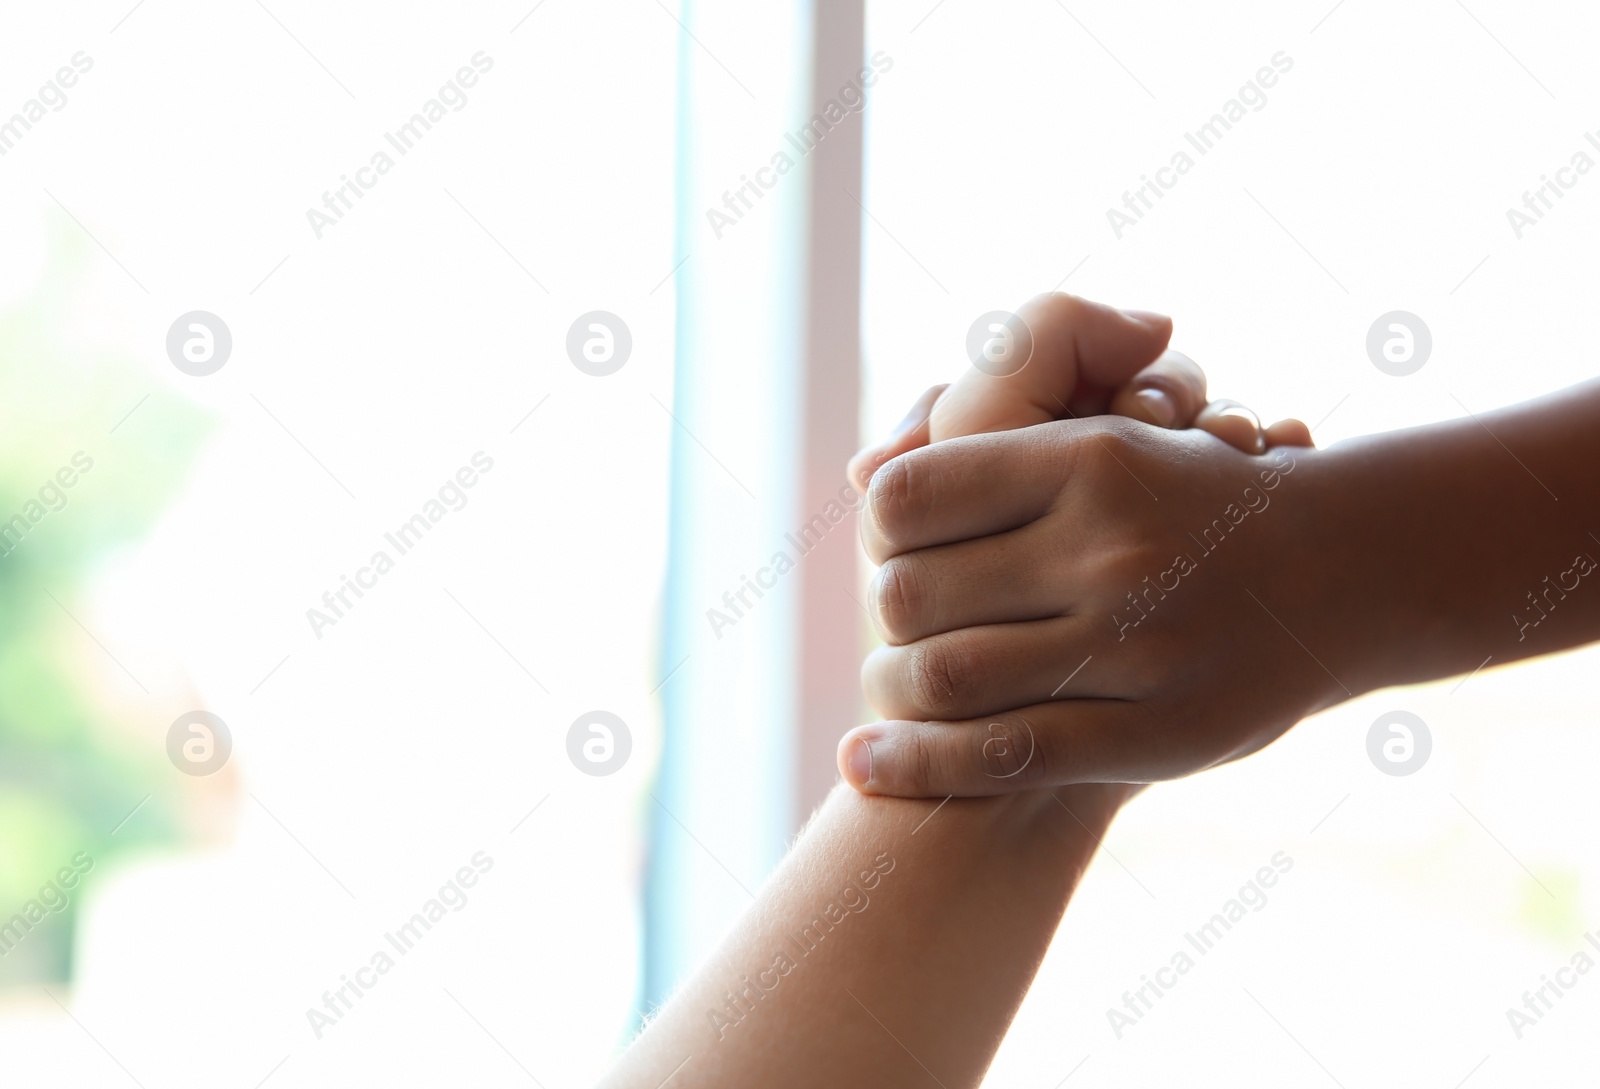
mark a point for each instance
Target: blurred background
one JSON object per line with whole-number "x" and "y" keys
{"x": 619, "y": 280}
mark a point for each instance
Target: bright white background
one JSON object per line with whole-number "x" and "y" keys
{"x": 407, "y": 338}
{"x": 1391, "y": 151}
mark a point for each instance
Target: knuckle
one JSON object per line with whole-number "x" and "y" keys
{"x": 1113, "y": 439}
{"x": 890, "y": 499}
{"x": 1009, "y": 750}
{"x": 902, "y": 598}
{"x": 923, "y": 761}
{"x": 1040, "y": 766}
{"x": 937, "y": 672}
{"x": 1046, "y": 766}
{"x": 1060, "y": 304}
{"x": 895, "y": 499}
{"x": 1115, "y": 457}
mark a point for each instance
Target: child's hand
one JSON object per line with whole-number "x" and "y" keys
{"x": 1108, "y": 580}
{"x": 1086, "y": 359}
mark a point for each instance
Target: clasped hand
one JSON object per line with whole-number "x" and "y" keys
{"x": 1078, "y": 599}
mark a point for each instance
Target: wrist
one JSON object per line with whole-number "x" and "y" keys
{"x": 1399, "y": 540}
{"x": 1068, "y": 822}
{"x": 1334, "y": 588}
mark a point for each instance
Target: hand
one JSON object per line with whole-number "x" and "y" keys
{"x": 1086, "y": 359}
{"x": 1110, "y": 581}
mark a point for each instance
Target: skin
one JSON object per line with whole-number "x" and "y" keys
{"x": 1009, "y": 561}
{"x": 919, "y": 984}
{"x": 918, "y": 981}
{"x": 1086, "y": 359}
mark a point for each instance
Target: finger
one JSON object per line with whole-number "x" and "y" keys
{"x": 909, "y": 434}
{"x": 960, "y": 674}
{"x": 998, "y": 579}
{"x": 1054, "y": 744}
{"x": 1234, "y": 424}
{"x": 963, "y": 488}
{"x": 1059, "y": 347}
{"x": 1168, "y": 393}
{"x": 1288, "y": 433}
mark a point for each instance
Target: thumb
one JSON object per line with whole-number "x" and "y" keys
{"x": 1051, "y": 744}
{"x": 1057, "y": 355}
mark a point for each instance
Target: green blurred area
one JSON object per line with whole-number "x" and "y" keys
{"x": 69, "y": 770}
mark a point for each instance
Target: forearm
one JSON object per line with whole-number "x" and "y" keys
{"x": 1437, "y": 547}
{"x": 893, "y": 942}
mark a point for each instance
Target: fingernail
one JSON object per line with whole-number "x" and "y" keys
{"x": 858, "y": 763}
{"x": 914, "y": 418}
{"x": 1234, "y": 410}
{"x": 1159, "y": 404}
{"x": 921, "y": 410}
{"x": 1147, "y": 317}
